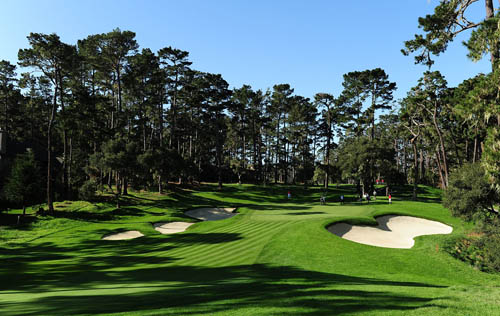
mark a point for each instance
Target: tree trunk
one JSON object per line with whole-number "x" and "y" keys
{"x": 160, "y": 119}
{"x": 118, "y": 184}
{"x": 490, "y": 12}
{"x": 243, "y": 147}
{"x": 358, "y": 189}
{"x": 6, "y": 112}
{"x": 219, "y": 155}
{"x": 420, "y": 164}
{"x": 467, "y": 150}
{"x": 475, "y": 149}
{"x": 50, "y": 193}
{"x": 173, "y": 109}
{"x": 397, "y": 155}
{"x": 65, "y": 164}
{"x": 70, "y": 163}
{"x": 443, "y": 150}
{"x": 440, "y": 168}
{"x": 65, "y": 143}
{"x": 405, "y": 167}
{"x": 254, "y": 147}
{"x": 277, "y": 150}
{"x": 328, "y": 140}
{"x": 372, "y": 114}
{"x": 372, "y": 136}
{"x": 285, "y": 149}
{"x": 416, "y": 169}
{"x": 160, "y": 188}
{"x": 114, "y": 105}
{"x": 259, "y": 163}
{"x": 110, "y": 179}
{"x": 125, "y": 186}
{"x": 423, "y": 166}
{"x": 119, "y": 91}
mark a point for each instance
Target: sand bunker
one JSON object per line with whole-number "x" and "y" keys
{"x": 204, "y": 214}
{"x": 211, "y": 214}
{"x": 131, "y": 234}
{"x": 172, "y": 227}
{"x": 393, "y": 231}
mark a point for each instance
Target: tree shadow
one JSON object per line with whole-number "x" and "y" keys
{"x": 424, "y": 194}
{"x": 205, "y": 238}
{"x": 93, "y": 258}
{"x": 305, "y": 213}
{"x": 133, "y": 211}
{"x": 83, "y": 215}
{"x": 144, "y": 275}
{"x": 203, "y": 290}
{"x": 11, "y": 220}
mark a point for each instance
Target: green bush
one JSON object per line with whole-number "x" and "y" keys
{"x": 467, "y": 250}
{"x": 480, "y": 249}
{"x": 88, "y": 190}
{"x": 23, "y": 184}
{"x": 469, "y": 193}
{"x": 490, "y": 244}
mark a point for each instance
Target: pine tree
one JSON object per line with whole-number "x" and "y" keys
{"x": 23, "y": 184}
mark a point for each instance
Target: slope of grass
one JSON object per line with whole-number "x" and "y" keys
{"x": 275, "y": 258}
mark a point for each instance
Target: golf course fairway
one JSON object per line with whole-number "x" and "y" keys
{"x": 275, "y": 258}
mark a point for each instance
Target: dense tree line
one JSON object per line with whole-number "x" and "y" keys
{"x": 459, "y": 127}
{"x": 463, "y": 121}
{"x": 111, "y": 115}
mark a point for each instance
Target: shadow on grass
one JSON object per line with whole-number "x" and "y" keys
{"x": 206, "y": 238}
{"x": 425, "y": 194}
{"x": 83, "y": 215}
{"x": 139, "y": 275}
{"x": 305, "y": 213}
{"x": 12, "y": 220}
{"x": 134, "y": 211}
{"x": 28, "y": 266}
{"x": 277, "y": 193}
{"x": 202, "y": 290}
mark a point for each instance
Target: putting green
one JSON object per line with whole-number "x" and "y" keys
{"x": 275, "y": 258}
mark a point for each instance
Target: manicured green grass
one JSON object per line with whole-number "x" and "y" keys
{"x": 276, "y": 258}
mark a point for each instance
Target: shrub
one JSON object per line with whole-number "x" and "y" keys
{"x": 490, "y": 244}
{"x": 319, "y": 174}
{"x": 23, "y": 184}
{"x": 480, "y": 249}
{"x": 466, "y": 249}
{"x": 469, "y": 192}
{"x": 88, "y": 190}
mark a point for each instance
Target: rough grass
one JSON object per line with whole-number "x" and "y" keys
{"x": 275, "y": 258}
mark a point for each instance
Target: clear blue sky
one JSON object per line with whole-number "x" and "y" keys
{"x": 308, "y": 44}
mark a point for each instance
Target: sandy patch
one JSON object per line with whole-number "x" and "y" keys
{"x": 131, "y": 234}
{"x": 392, "y": 231}
{"x": 211, "y": 214}
{"x": 172, "y": 227}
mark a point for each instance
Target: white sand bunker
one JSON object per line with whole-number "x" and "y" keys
{"x": 131, "y": 234}
{"x": 392, "y": 231}
{"x": 172, "y": 227}
{"x": 211, "y": 214}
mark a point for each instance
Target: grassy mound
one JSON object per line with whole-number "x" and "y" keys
{"x": 275, "y": 258}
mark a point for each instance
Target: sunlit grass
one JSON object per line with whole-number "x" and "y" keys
{"x": 276, "y": 257}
